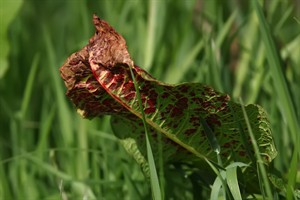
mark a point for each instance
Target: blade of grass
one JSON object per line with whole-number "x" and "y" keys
{"x": 174, "y": 75}
{"x": 45, "y": 129}
{"x": 260, "y": 162}
{"x": 259, "y": 77}
{"x": 63, "y": 111}
{"x": 284, "y": 97}
{"x": 283, "y": 19}
{"x": 215, "y": 190}
{"x": 220, "y": 181}
{"x": 292, "y": 50}
{"x": 150, "y": 43}
{"x": 286, "y": 105}
{"x": 232, "y": 181}
{"x": 29, "y": 85}
{"x": 226, "y": 28}
{"x": 135, "y": 194}
{"x": 155, "y": 187}
{"x": 243, "y": 67}
{"x": 82, "y": 156}
{"x": 8, "y": 10}
{"x": 292, "y": 174}
{"x": 210, "y": 137}
{"x": 49, "y": 168}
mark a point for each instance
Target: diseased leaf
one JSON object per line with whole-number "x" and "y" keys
{"x": 85, "y": 92}
{"x": 99, "y": 82}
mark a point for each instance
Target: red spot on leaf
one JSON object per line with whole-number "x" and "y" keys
{"x": 175, "y": 112}
{"x": 190, "y": 132}
{"x": 213, "y": 120}
{"x": 234, "y": 142}
{"x": 184, "y": 88}
{"x": 129, "y": 96}
{"x": 128, "y": 87}
{"x": 225, "y": 154}
{"x": 192, "y": 94}
{"x": 149, "y": 110}
{"x": 118, "y": 77}
{"x": 182, "y": 103}
{"x": 164, "y": 95}
{"x": 242, "y": 153}
{"x": 206, "y": 104}
{"x": 226, "y": 145}
{"x": 75, "y": 61}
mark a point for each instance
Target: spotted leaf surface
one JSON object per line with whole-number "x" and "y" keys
{"x": 99, "y": 82}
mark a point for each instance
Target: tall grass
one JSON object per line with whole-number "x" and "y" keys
{"x": 48, "y": 152}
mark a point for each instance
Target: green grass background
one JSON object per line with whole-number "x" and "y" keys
{"x": 47, "y": 151}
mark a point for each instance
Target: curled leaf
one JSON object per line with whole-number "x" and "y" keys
{"x": 99, "y": 82}
{"x": 84, "y": 90}
{"x": 107, "y": 47}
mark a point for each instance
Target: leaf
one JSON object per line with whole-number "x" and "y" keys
{"x": 85, "y": 92}
{"x": 232, "y": 181}
{"x": 99, "y": 82}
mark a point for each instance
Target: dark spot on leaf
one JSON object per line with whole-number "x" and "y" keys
{"x": 164, "y": 95}
{"x": 189, "y": 132}
{"x": 149, "y": 110}
{"x": 242, "y": 153}
{"x": 129, "y": 96}
{"x": 226, "y": 145}
{"x": 213, "y": 120}
{"x": 175, "y": 112}
{"x": 225, "y": 154}
{"x": 184, "y": 88}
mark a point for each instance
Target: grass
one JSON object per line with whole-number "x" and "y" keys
{"x": 155, "y": 186}
{"x": 48, "y": 152}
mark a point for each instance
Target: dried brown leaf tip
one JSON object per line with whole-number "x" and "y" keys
{"x": 107, "y": 47}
